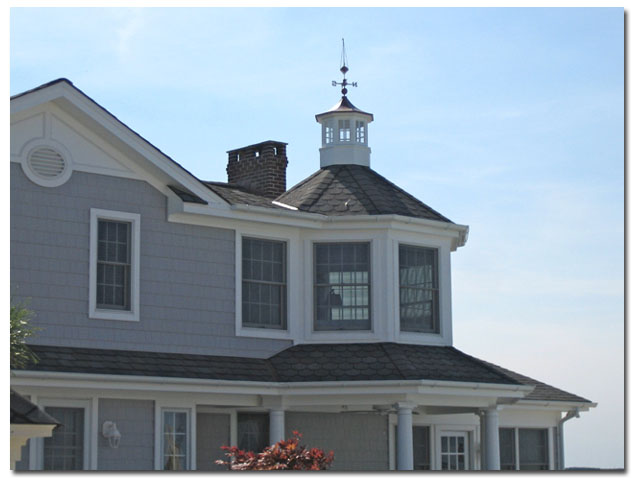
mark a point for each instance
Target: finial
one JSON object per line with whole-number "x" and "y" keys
{"x": 344, "y": 69}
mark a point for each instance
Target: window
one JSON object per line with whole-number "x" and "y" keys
{"x": 328, "y": 134}
{"x": 114, "y": 265}
{"x": 421, "y": 451}
{"x": 175, "y": 440}
{"x": 344, "y": 128}
{"x": 64, "y": 449}
{"x": 418, "y": 268}
{"x": 453, "y": 451}
{"x": 532, "y": 446}
{"x": 524, "y": 449}
{"x": 264, "y": 287}
{"x": 360, "y": 132}
{"x": 507, "y": 449}
{"x": 342, "y": 286}
{"x": 253, "y": 431}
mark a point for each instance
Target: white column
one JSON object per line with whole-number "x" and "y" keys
{"x": 492, "y": 439}
{"x": 404, "y": 444}
{"x": 483, "y": 440}
{"x": 276, "y": 425}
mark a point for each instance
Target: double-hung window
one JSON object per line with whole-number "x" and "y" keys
{"x": 342, "y": 286}
{"x": 114, "y": 265}
{"x": 264, "y": 283}
{"x": 419, "y": 297}
{"x": 113, "y": 283}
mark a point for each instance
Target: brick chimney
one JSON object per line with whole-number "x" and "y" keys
{"x": 260, "y": 168}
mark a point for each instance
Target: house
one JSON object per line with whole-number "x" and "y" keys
{"x": 178, "y": 315}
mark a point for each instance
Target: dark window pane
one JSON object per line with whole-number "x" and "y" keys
{"x": 64, "y": 450}
{"x": 533, "y": 449}
{"x": 342, "y": 286}
{"x": 264, "y": 283}
{"x": 507, "y": 449}
{"x": 253, "y": 431}
{"x": 418, "y": 289}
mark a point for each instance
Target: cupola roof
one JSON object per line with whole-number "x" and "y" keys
{"x": 344, "y": 106}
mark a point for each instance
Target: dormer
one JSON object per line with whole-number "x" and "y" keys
{"x": 345, "y": 136}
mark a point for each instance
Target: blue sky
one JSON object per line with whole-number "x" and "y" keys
{"x": 506, "y": 120}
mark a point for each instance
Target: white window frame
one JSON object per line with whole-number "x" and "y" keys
{"x": 315, "y": 288}
{"x": 444, "y": 335}
{"x": 378, "y": 288}
{"x": 436, "y": 290}
{"x": 551, "y": 464}
{"x": 285, "y": 283}
{"x": 292, "y": 252}
{"x": 160, "y": 409}
{"x": 85, "y": 404}
{"x": 133, "y": 314}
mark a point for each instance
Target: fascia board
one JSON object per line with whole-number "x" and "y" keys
{"x": 555, "y": 405}
{"x": 300, "y": 219}
{"x": 76, "y": 103}
{"x": 170, "y": 384}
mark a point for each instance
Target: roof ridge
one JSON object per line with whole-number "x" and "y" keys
{"x": 320, "y": 189}
{"x": 397, "y": 188}
{"x": 361, "y": 188}
{"x": 384, "y": 345}
{"x": 485, "y": 364}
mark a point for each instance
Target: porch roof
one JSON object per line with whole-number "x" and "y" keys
{"x": 301, "y": 363}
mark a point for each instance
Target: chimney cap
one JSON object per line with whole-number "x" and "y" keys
{"x": 253, "y": 146}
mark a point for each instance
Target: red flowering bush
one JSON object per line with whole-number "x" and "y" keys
{"x": 284, "y": 455}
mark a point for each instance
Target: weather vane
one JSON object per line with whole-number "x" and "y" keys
{"x": 344, "y": 69}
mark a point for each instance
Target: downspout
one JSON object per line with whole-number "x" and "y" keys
{"x": 574, "y": 413}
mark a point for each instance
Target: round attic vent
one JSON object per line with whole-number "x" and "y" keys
{"x": 47, "y": 163}
{"x": 47, "y": 166}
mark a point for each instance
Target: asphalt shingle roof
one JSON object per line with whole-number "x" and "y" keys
{"x": 24, "y": 411}
{"x": 542, "y": 391}
{"x": 301, "y": 363}
{"x": 236, "y": 195}
{"x": 350, "y": 189}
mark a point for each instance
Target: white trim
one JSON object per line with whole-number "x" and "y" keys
{"x": 125, "y": 315}
{"x": 29, "y": 148}
{"x": 291, "y": 284}
{"x": 75, "y": 103}
{"x": 457, "y": 432}
{"x": 444, "y": 336}
{"x": 168, "y": 405}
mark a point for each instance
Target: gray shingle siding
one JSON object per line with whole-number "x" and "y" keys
{"x": 359, "y": 441}
{"x": 187, "y": 273}
{"x": 135, "y": 421}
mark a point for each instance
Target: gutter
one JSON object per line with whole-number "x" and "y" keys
{"x": 293, "y": 217}
{"x": 574, "y": 413}
{"x": 56, "y": 379}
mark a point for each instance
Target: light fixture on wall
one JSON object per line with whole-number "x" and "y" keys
{"x": 110, "y": 431}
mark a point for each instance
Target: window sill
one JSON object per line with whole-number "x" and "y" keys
{"x": 106, "y": 314}
{"x": 263, "y": 333}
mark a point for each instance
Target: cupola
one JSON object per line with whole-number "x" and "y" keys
{"x": 345, "y": 133}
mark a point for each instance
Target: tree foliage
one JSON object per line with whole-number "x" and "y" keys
{"x": 21, "y": 355}
{"x": 284, "y": 455}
